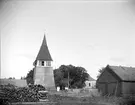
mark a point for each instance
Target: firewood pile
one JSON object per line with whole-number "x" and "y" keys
{"x": 12, "y": 93}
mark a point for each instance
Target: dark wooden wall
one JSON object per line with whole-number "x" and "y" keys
{"x": 109, "y": 84}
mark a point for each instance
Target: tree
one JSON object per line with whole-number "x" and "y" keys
{"x": 11, "y": 78}
{"x": 100, "y": 71}
{"x": 23, "y": 77}
{"x": 71, "y": 76}
{"x": 30, "y": 77}
{"x": 58, "y": 76}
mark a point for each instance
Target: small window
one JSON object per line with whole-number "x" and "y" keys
{"x": 48, "y": 63}
{"x": 42, "y": 63}
{"x": 89, "y": 84}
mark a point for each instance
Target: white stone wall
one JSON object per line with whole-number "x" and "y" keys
{"x": 90, "y": 84}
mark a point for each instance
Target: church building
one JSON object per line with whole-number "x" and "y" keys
{"x": 43, "y": 71}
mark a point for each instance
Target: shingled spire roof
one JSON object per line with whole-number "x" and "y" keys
{"x": 44, "y": 52}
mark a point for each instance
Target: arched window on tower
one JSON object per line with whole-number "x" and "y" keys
{"x": 42, "y": 63}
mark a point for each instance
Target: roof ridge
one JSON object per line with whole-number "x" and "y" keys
{"x": 123, "y": 68}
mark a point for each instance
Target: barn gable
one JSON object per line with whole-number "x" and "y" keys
{"x": 107, "y": 74}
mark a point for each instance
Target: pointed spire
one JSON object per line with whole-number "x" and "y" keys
{"x": 44, "y": 41}
{"x": 44, "y": 53}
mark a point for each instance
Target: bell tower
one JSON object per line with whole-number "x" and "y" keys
{"x": 43, "y": 71}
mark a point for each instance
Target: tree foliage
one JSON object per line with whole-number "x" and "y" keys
{"x": 69, "y": 75}
{"x": 100, "y": 71}
{"x": 30, "y": 77}
{"x": 11, "y": 78}
{"x": 64, "y": 76}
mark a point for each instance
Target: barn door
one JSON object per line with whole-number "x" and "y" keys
{"x": 103, "y": 88}
{"x": 106, "y": 88}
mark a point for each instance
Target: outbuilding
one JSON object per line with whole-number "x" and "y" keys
{"x": 117, "y": 80}
{"x": 90, "y": 83}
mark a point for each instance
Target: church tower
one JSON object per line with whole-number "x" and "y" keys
{"x": 43, "y": 71}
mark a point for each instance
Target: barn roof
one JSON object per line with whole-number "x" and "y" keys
{"x": 125, "y": 73}
{"x": 44, "y": 52}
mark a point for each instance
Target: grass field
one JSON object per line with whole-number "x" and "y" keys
{"x": 68, "y": 100}
{"x": 65, "y": 98}
{"x": 83, "y": 98}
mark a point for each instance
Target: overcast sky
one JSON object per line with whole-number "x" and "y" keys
{"x": 87, "y": 33}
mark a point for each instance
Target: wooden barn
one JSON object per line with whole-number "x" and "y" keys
{"x": 117, "y": 80}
